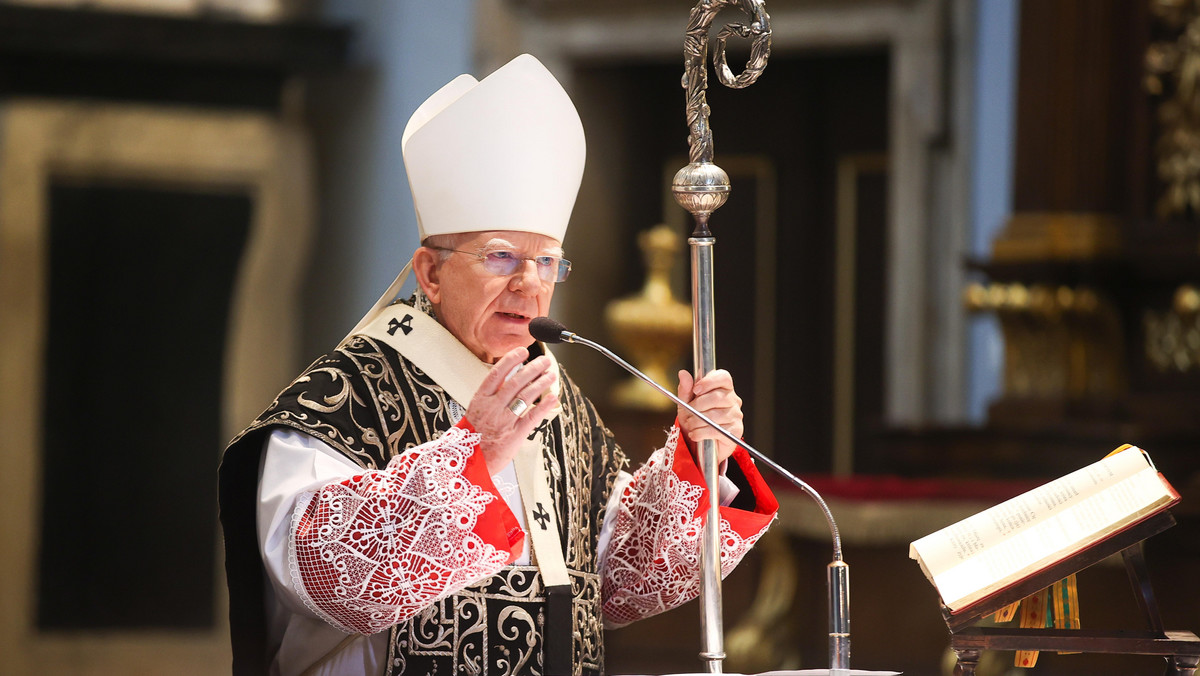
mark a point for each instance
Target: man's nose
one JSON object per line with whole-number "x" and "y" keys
{"x": 526, "y": 278}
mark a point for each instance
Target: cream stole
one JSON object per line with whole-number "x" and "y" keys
{"x": 434, "y": 350}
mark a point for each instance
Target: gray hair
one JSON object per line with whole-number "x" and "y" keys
{"x": 444, "y": 244}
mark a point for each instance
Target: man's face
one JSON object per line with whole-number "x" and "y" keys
{"x": 490, "y": 313}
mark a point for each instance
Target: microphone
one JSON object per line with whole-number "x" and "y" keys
{"x": 837, "y": 573}
{"x": 549, "y": 331}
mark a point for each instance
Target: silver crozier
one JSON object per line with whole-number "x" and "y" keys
{"x": 700, "y": 188}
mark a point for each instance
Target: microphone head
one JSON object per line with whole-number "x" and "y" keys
{"x": 546, "y": 330}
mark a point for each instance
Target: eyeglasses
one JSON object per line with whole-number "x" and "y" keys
{"x": 503, "y": 263}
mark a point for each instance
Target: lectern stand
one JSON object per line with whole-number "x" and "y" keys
{"x": 1181, "y": 648}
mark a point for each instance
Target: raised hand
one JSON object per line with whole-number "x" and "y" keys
{"x": 506, "y": 408}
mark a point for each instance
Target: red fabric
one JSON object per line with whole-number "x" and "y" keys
{"x": 745, "y": 523}
{"x": 498, "y": 526}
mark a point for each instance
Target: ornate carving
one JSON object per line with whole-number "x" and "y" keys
{"x": 701, "y": 187}
{"x": 695, "y": 77}
{"x": 1059, "y": 342}
{"x": 1173, "y": 76}
{"x": 1172, "y": 336}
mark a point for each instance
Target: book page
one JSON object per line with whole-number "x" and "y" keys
{"x": 1071, "y": 529}
{"x": 954, "y": 544}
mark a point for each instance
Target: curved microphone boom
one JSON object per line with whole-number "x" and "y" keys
{"x": 838, "y": 572}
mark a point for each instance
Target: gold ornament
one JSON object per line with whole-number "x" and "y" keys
{"x": 652, "y": 324}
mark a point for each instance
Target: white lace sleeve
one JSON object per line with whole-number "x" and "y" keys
{"x": 651, "y": 561}
{"x": 727, "y": 489}
{"x": 375, "y": 548}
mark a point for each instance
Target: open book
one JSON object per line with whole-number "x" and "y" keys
{"x": 1001, "y": 546}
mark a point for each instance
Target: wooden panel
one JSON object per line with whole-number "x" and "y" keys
{"x": 1077, "y": 70}
{"x": 140, "y": 288}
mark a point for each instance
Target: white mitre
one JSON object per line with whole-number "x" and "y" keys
{"x": 504, "y": 153}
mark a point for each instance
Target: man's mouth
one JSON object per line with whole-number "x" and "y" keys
{"x": 514, "y": 315}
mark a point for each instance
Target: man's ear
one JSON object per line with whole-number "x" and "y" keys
{"x": 425, "y": 266}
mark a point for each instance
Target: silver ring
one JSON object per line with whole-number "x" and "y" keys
{"x": 518, "y": 406}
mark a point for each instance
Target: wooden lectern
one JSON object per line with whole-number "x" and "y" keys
{"x": 1181, "y": 648}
